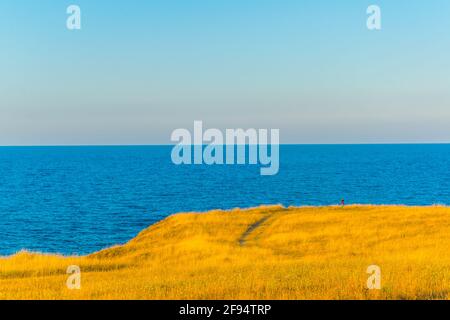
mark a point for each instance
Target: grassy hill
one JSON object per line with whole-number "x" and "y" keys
{"x": 261, "y": 253}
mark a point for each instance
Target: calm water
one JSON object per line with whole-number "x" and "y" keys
{"x": 76, "y": 200}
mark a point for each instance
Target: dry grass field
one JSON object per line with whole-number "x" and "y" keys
{"x": 261, "y": 253}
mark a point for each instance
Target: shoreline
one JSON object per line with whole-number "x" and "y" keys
{"x": 280, "y": 206}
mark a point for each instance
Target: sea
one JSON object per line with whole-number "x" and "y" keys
{"x": 77, "y": 200}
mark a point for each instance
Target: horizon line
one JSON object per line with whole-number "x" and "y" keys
{"x": 174, "y": 144}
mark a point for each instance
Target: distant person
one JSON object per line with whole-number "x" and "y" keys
{"x": 342, "y": 202}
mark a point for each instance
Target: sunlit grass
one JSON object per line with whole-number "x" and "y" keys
{"x": 295, "y": 253}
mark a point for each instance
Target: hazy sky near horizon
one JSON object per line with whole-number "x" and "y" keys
{"x": 137, "y": 70}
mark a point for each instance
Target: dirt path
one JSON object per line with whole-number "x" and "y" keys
{"x": 251, "y": 228}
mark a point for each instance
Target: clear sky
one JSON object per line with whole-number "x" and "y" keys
{"x": 140, "y": 69}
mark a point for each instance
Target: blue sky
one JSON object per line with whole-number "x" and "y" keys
{"x": 140, "y": 69}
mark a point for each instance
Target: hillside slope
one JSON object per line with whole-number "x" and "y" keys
{"x": 261, "y": 253}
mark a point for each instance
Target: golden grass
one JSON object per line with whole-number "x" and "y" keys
{"x": 293, "y": 253}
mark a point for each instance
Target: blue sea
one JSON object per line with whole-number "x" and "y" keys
{"x": 77, "y": 200}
